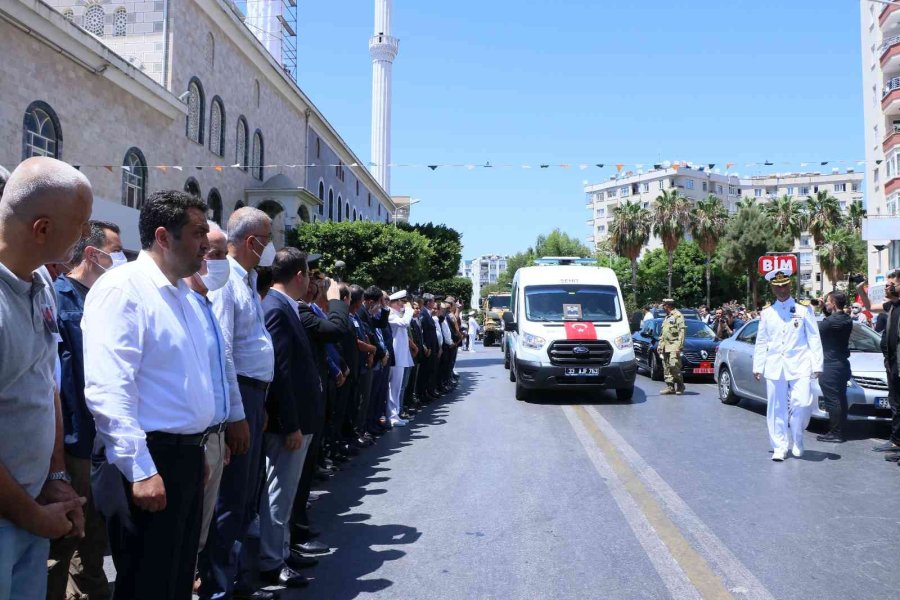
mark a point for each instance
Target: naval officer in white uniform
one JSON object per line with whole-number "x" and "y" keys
{"x": 788, "y": 354}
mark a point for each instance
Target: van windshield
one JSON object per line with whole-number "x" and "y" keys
{"x": 597, "y": 303}
{"x": 495, "y": 302}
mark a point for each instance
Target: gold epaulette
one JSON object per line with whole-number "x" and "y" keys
{"x": 804, "y": 302}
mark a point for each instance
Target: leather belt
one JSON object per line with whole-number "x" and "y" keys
{"x": 177, "y": 439}
{"x": 217, "y": 428}
{"x": 254, "y": 383}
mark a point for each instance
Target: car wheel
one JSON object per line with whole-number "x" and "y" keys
{"x": 625, "y": 394}
{"x": 512, "y": 374}
{"x": 726, "y": 388}
{"x": 521, "y": 392}
{"x": 656, "y": 373}
{"x": 506, "y": 359}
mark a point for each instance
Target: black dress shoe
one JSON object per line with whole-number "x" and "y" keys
{"x": 886, "y": 447}
{"x": 310, "y": 547}
{"x": 831, "y": 438}
{"x": 892, "y": 456}
{"x": 285, "y": 576}
{"x": 298, "y": 561}
{"x": 254, "y": 595}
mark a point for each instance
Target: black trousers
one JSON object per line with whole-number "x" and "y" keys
{"x": 894, "y": 399}
{"x": 154, "y": 552}
{"x": 833, "y": 381}
{"x": 412, "y": 387}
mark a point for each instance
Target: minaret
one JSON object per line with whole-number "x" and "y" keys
{"x": 383, "y": 49}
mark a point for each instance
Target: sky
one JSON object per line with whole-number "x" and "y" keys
{"x": 583, "y": 82}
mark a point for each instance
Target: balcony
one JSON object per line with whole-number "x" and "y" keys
{"x": 889, "y": 17}
{"x": 892, "y": 185}
{"x": 890, "y": 97}
{"x": 890, "y": 54}
{"x": 892, "y": 140}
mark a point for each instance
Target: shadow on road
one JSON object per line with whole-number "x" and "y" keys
{"x": 362, "y": 547}
{"x": 567, "y": 397}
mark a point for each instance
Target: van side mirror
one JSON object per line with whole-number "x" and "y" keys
{"x": 509, "y": 322}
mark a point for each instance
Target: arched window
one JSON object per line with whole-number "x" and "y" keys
{"x": 321, "y": 198}
{"x": 331, "y": 205}
{"x": 120, "y": 22}
{"x": 196, "y": 101}
{"x": 258, "y": 155}
{"x": 256, "y": 89}
{"x": 217, "y": 126}
{"x": 354, "y": 214}
{"x": 214, "y": 204}
{"x": 303, "y": 213}
{"x": 370, "y": 200}
{"x": 41, "y": 133}
{"x": 94, "y": 19}
{"x": 192, "y": 187}
{"x": 240, "y": 151}
{"x": 318, "y": 148}
{"x": 134, "y": 179}
{"x": 69, "y": 14}
{"x": 210, "y": 50}
{"x": 340, "y": 209}
{"x": 357, "y": 188}
{"x": 379, "y": 210}
{"x": 347, "y": 211}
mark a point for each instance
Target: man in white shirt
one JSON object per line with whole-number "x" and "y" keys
{"x": 788, "y": 354}
{"x": 399, "y": 319}
{"x": 149, "y": 387}
{"x": 238, "y": 308}
{"x": 473, "y": 331}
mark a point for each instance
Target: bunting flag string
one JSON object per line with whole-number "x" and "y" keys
{"x": 621, "y": 169}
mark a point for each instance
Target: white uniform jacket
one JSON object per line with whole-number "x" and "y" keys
{"x": 787, "y": 342}
{"x": 399, "y": 322}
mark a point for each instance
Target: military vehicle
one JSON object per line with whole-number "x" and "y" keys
{"x": 493, "y": 307}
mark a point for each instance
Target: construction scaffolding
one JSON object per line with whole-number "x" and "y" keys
{"x": 274, "y": 23}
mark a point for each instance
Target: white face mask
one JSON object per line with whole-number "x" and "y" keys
{"x": 217, "y": 272}
{"x": 118, "y": 259}
{"x": 268, "y": 255}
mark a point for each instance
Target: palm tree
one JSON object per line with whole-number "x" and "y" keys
{"x": 823, "y": 212}
{"x": 708, "y": 221}
{"x": 856, "y": 212}
{"x": 745, "y": 202}
{"x": 629, "y": 232}
{"x": 670, "y": 216}
{"x": 836, "y": 254}
{"x": 788, "y": 215}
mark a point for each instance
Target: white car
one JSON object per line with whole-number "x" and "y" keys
{"x": 867, "y": 391}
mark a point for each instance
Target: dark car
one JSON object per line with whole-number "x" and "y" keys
{"x": 687, "y": 313}
{"x": 697, "y": 356}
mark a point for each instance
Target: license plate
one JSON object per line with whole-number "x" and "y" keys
{"x": 582, "y": 371}
{"x": 704, "y": 371}
{"x": 882, "y": 403}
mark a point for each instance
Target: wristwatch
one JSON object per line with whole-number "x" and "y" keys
{"x": 59, "y": 476}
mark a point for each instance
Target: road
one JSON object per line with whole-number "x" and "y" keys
{"x": 567, "y": 496}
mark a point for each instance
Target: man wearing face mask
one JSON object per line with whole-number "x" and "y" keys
{"x": 890, "y": 347}
{"x": 78, "y": 564}
{"x": 835, "y": 330}
{"x": 212, "y": 276}
{"x": 239, "y": 311}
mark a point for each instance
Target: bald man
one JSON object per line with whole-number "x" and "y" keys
{"x": 44, "y": 211}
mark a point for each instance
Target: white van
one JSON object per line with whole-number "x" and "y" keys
{"x": 567, "y": 329}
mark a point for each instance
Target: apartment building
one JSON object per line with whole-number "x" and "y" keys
{"x": 483, "y": 270}
{"x": 697, "y": 183}
{"x": 880, "y": 25}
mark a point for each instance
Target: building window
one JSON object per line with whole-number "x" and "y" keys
{"x": 689, "y": 184}
{"x": 757, "y": 192}
{"x": 258, "y": 92}
{"x": 379, "y": 210}
{"x": 258, "y": 155}
{"x": 321, "y": 198}
{"x": 625, "y": 191}
{"x": 195, "y": 111}
{"x": 340, "y": 209}
{"x": 790, "y": 190}
{"x": 318, "y": 148}
{"x": 719, "y": 188}
{"x": 662, "y": 184}
{"x": 94, "y": 18}
{"x": 854, "y": 187}
{"x": 804, "y": 190}
{"x": 370, "y": 201}
{"x": 611, "y": 194}
{"x": 645, "y": 187}
{"x": 192, "y": 187}
{"x": 330, "y": 205}
{"x": 217, "y": 127}
{"x": 354, "y": 214}
{"x": 357, "y": 188}
{"x": 41, "y": 133}
{"x": 240, "y": 152}
{"x": 134, "y": 179}
{"x": 214, "y": 204}
{"x": 210, "y": 50}
{"x": 347, "y": 211}
{"x": 840, "y": 187}
{"x": 704, "y": 186}
{"x": 120, "y": 22}
{"x": 732, "y": 190}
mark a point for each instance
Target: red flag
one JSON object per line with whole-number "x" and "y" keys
{"x": 580, "y": 331}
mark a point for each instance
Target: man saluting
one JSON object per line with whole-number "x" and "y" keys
{"x": 788, "y": 353}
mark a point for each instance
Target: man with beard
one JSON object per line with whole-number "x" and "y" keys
{"x": 835, "y": 332}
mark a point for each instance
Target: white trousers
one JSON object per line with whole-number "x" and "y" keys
{"x": 788, "y": 412}
{"x": 472, "y": 337}
{"x": 395, "y": 398}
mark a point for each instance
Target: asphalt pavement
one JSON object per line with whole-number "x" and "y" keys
{"x": 576, "y": 496}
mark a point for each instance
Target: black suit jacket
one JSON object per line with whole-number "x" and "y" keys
{"x": 889, "y": 342}
{"x": 295, "y": 400}
{"x": 371, "y": 324}
{"x": 415, "y": 332}
{"x": 325, "y": 331}
{"x": 429, "y": 331}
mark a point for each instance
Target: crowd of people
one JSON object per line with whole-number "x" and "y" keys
{"x": 174, "y": 407}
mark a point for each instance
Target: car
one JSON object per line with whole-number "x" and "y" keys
{"x": 867, "y": 390}
{"x": 566, "y": 330}
{"x": 697, "y": 356}
{"x": 687, "y": 313}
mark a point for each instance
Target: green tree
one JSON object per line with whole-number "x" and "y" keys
{"x": 492, "y": 288}
{"x": 856, "y": 212}
{"x": 823, "y": 212}
{"x": 629, "y": 232}
{"x": 751, "y": 233}
{"x": 670, "y": 217}
{"x": 839, "y": 253}
{"x": 558, "y": 243}
{"x": 708, "y": 221}
{"x": 788, "y": 216}
{"x": 687, "y": 274}
{"x": 375, "y": 253}
{"x": 745, "y": 202}
{"x": 446, "y": 243}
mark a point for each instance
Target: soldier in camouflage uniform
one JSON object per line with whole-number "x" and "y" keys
{"x": 670, "y": 344}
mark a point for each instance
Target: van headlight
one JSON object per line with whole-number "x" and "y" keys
{"x": 534, "y": 342}
{"x": 623, "y": 342}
